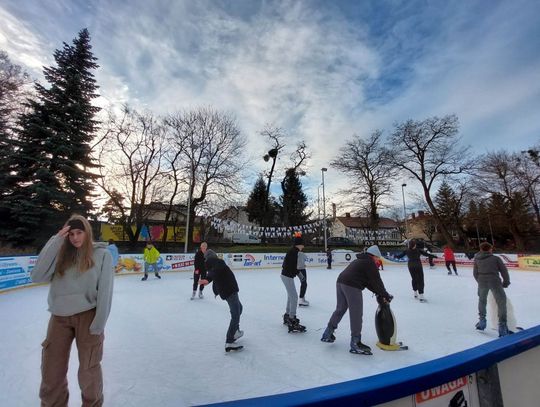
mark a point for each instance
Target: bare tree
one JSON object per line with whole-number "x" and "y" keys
{"x": 527, "y": 173}
{"x": 496, "y": 177}
{"x": 132, "y": 157}
{"x": 369, "y": 167}
{"x": 211, "y": 157}
{"x": 429, "y": 151}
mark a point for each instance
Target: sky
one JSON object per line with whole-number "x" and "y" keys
{"x": 322, "y": 71}
{"x": 162, "y": 349}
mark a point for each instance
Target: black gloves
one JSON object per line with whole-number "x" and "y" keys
{"x": 384, "y": 299}
{"x": 505, "y": 284}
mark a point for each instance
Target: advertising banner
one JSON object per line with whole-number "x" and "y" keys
{"x": 529, "y": 262}
{"x": 15, "y": 271}
{"x": 153, "y": 232}
{"x": 452, "y": 394}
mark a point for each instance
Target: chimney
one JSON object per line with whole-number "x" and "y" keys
{"x": 334, "y": 211}
{"x": 347, "y": 214}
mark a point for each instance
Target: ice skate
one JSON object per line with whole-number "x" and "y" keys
{"x": 285, "y": 319}
{"x": 294, "y": 325}
{"x": 201, "y": 296}
{"x": 328, "y": 335}
{"x": 158, "y": 276}
{"x": 238, "y": 334}
{"x": 481, "y": 324}
{"x": 503, "y": 329}
{"x": 145, "y": 277}
{"x": 358, "y": 347}
{"x": 233, "y": 347}
{"x": 193, "y": 295}
{"x": 303, "y": 303}
{"x": 450, "y": 273}
{"x": 415, "y": 294}
{"x": 422, "y": 298}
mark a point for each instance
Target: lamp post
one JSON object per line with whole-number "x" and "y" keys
{"x": 319, "y": 211}
{"x": 323, "y": 170}
{"x": 404, "y": 209}
{"x": 188, "y": 213}
{"x": 273, "y": 155}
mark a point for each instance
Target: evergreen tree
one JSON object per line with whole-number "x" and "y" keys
{"x": 446, "y": 203}
{"x": 12, "y": 87}
{"x": 257, "y": 202}
{"x": 53, "y": 176}
{"x": 293, "y": 201}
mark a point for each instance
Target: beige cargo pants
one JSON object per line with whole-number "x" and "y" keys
{"x": 55, "y": 360}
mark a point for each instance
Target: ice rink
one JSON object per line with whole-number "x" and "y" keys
{"x": 161, "y": 349}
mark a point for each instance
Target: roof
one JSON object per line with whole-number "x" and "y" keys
{"x": 363, "y": 222}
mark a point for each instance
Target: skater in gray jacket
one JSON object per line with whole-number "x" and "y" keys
{"x": 359, "y": 274}
{"x": 81, "y": 284}
{"x": 486, "y": 271}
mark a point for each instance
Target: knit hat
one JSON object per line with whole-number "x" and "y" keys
{"x": 210, "y": 254}
{"x": 75, "y": 224}
{"x": 374, "y": 251}
{"x": 298, "y": 240}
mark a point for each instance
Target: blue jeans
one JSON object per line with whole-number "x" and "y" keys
{"x": 236, "y": 310}
{"x": 153, "y": 266}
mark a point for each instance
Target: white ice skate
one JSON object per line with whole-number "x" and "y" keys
{"x": 303, "y": 303}
{"x": 193, "y": 295}
{"x": 422, "y": 298}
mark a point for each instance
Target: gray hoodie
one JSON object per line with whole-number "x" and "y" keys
{"x": 76, "y": 292}
{"x": 487, "y": 268}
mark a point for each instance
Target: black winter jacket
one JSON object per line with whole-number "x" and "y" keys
{"x": 222, "y": 277}
{"x": 199, "y": 263}
{"x": 363, "y": 273}
{"x": 414, "y": 255}
{"x": 290, "y": 262}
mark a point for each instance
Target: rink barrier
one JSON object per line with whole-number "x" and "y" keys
{"x": 516, "y": 358}
{"x": 15, "y": 270}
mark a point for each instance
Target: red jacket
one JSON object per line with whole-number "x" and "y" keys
{"x": 449, "y": 254}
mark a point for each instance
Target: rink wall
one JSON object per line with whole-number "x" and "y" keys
{"x": 504, "y": 371}
{"x": 15, "y": 270}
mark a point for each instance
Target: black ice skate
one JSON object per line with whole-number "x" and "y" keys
{"x": 145, "y": 277}
{"x": 358, "y": 347}
{"x": 233, "y": 347}
{"x": 294, "y": 325}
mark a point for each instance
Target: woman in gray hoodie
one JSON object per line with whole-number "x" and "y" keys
{"x": 486, "y": 270}
{"x": 80, "y": 294}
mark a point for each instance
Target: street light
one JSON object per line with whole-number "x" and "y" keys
{"x": 404, "y": 209}
{"x": 188, "y": 213}
{"x": 319, "y": 212}
{"x": 323, "y": 170}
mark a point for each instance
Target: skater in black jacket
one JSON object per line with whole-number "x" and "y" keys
{"x": 359, "y": 274}
{"x": 288, "y": 273}
{"x": 416, "y": 270}
{"x": 199, "y": 270}
{"x": 225, "y": 285}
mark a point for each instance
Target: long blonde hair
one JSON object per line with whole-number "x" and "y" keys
{"x": 69, "y": 255}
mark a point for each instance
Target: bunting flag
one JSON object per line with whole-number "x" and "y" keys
{"x": 231, "y": 226}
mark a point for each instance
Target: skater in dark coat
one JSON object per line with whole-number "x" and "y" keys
{"x": 199, "y": 270}
{"x": 224, "y": 284}
{"x": 416, "y": 270}
{"x": 288, "y": 273}
{"x": 361, "y": 273}
{"x": 486, "y": 270}
{"x": 329, "y": 258}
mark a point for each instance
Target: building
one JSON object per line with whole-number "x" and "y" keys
{"x": 357, "y": 229}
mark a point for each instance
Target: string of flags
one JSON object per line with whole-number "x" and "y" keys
{"x": 231, "y": 226}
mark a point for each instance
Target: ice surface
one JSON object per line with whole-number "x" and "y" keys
{"x": 162, "y": 349}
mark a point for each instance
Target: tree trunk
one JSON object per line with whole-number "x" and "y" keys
{"x": 442, "y": 226}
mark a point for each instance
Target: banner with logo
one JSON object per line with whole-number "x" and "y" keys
{"x": 153, "y": 232}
